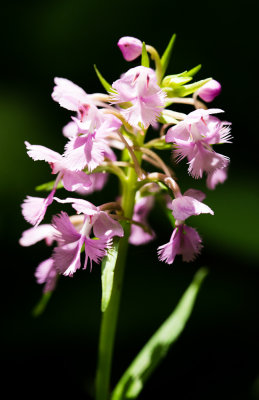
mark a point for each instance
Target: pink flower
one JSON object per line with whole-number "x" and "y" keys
{"x": 209, "y": 91}
{"x": 130, "y": 47}
{"x": 98, "y": 180}
{"x": 74, "y": 98}
{"x": 139, "y": 87}
{"x": 185, "y": 241}
{"x": 34, "y": 208}
{"x": 141, "y": 210}
{"x": 69, "y": 95}
{"x": 90, "y": 149}
{"x": 72, "y": 180}
{"x": 36, "y": 234}
{"x": 67, "y": 255}
{"x": 217, "y": 176}
{"x": 194, "y": 137}
{"x": 187, "y": 205}
{"x": 46, "y": 273}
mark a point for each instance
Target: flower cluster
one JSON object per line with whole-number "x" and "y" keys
{"x": 107, "y": 134}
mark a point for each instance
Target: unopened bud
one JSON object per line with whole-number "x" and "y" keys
{"x": 130, "y": 47}
{"x": 210, "y": 90}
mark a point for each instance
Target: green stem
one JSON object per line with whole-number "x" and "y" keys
{"x": 110, "y": 316}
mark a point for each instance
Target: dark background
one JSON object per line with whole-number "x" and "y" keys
{"x": 55, "y": 355}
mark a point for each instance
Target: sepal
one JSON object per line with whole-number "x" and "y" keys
{"x": 144, "y": 56}
{"x": 185, "y": 90}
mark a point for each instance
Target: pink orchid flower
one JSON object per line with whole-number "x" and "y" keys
{"x": 184, "y": 241}
{"x": 67, "y": 255}
{"x": 139, "y": 87}
{"x": 34, "y": 208}
{"x": 188, "y": 204}
{"x": 141, "y": 210}
{"x": 217, "y": 176}
{"x": 194, "y": 137}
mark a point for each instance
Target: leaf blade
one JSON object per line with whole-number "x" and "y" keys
{"x": 132, "y": 381}
{"x": 108, "y": 266}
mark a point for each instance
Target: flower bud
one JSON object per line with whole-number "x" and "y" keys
{"x": 209, "y": 91}
{"x": 130, "y": 47}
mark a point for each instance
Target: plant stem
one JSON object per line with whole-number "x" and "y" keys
{"x": 110, "y": 316}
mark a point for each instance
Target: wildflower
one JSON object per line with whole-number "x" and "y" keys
{"x": 217, "y": 176}
{"x": 69, "y": 95}
{"x": 34, "y": 208}
{"x": 74, "y": 98}
{"x": 141, "y": 210}
{"x": 67, "y": 254}
{"x": 194, "y": 137}
{"x": 72, "y": 180}
{"x": 36, "y": 234}
{"x": 186, "y": 205}
{"x": 209, "y": 91}
{"x": 185, "y": 241}
{"x": 46, "y": 273}
{"x": 130, "y": 47}
{"x": 139, "y": 87}
{"x": 90, "y": 149}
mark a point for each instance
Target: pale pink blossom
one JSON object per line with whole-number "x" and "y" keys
{"x": 98, "y": 181}
{"x": 209, "y": 91}
{"x": 36, "y": 234}
{"x": 90, "y": 149}
{"x": 194, "y": 137}
{"x": 72, "y": 180}
{"x": 139, "y": 87}
{"x": 46, "y": 273}
{"x": 69, "y": 95}
{"x": 217, "y": 176}
{"x": 34, "y": 208}
{"x": 67, "y": 255}
{"x": 141, "y": 210}
{"x": 130, "y": 47}
{"x": 184, "y": 241}
{"x": 184, "y": 207}
{"x": 74, "y": 98}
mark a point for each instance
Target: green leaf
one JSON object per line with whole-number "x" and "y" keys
{"x": 103, "y": 81}
{"x": 185, "y": 90}
{"x": 108, "y": 265}
{"x": 48, "y": 186}
{"x": 144, "y": 56}
{"x": 167, "y": 54}
{"x": 42, "y": 304}
{"x": 132, "y": 382}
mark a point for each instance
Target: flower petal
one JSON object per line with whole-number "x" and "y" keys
{"x": 106, "y": 227}
{"x": 184, "y": 207}
{"x": 36, "y": 234}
